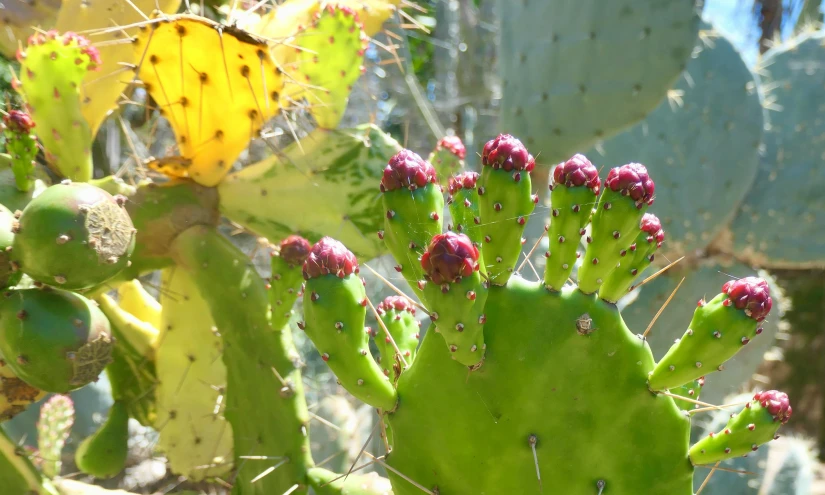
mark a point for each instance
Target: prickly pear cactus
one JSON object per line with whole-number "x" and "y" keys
{"x": 774, "y": 228}
{"x": 112, "y": 22}
{"x": 73, "y": 235}
{"x": 53, "y": 339}
{"x": 216, "y": 106}
{"x": 52, "y": 68}
{"x": 463, "y": 386}
{"x": 577, "y": 72}
{"x": 53, "y": 428}
{"x": 194, "y": 434}
{"x": 328, "y": 61}
{"x": 709, "y": 126}
{"x": 21, "y": 144}
{"x": 448, "y": 156}
{"x": 699, "y": 276}
{"x": 340, "y": 166}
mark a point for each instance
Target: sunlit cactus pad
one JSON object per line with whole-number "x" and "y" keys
{"x": 540, "y": 383}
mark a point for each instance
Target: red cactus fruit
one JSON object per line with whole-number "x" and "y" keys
{"x": 632, "y": 180}
{"x": 466, "y": 180}
{"x": 576, "y": 172}
{"x": 751, "y": 294}
{"x": 777, "y": 403}
{"x": 329, "y": 256}
{"x": 19, "y": 122}
{"x": 295, "y": 250}
{"x": 449, "y": 257}
{"x": 653, "y": 227}
{"x": 407, "y": 170}
{"x": 507, "y": 152}
{"x": 452, "y": 144}
{"x": 397, "y": 303}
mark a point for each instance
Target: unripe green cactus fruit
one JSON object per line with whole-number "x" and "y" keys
{"x": 53, "y": 339}
{"x": 335, "y": 305}
{"x": 398, "y": 316}
{"x": 52, "y": 69}
{"x": 756, "y": 424}
{"x": 22, "y": 146}
{"x": 326, "y": 482}
{"x": 103, "y": 455}
{"x": 73, "y": 235}
{"x": 448, "y": 156}
{"x": 8, "y": 276}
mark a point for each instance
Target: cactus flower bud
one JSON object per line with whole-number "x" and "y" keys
{"x": 632, "y": 180}
{"x": 508, "y": 153}
{"x": 450, "y": 257}
{"x": 407, "y": 170}
{"x": 578, "y": 171}
{"x": 329, "y": 256}
{"x": 751, "y": 294}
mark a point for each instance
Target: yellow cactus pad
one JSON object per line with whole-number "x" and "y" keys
{"x": 193, "y": 431}
{"x": 133, "y": 298}
{"x": 101, "y": 89}
{"x": 217, "y": 85}
{"x": 292, "y": 16}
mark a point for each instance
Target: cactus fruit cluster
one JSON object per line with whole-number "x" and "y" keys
{"x": 490, "y": 325}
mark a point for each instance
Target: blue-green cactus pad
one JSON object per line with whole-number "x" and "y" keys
{"x": 576, "y": 72}
{"x": 701, "y": 145}
{"x": 782, "y": 220}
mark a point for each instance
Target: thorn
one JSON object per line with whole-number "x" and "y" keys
{"x": 650, "y": 278}
{"x": 644, "y": 335}
{"x": 387, "y": 333}
{"x": 713, "y": 470}
{"x": 714, "y": 408}
{"x": 533, "y": 440}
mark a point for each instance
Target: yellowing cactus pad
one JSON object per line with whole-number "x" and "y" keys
{"x": 217, "y": 86}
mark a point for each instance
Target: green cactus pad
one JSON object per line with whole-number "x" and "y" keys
{"x": 341, "y": 166}
{"x": 73, "y": 235}
{"x": 670, "y": 326}
{"x": 286, "y": 279}
{"x": 505, "y": 205}
{"x": 575, "y": 73}
{"x": 574, "y": 189}
{"x": 103, "y": 455}
{"x": 194, "y": 434}
{"x": 780, "y": 222}
{"x": 53, "y": 428}
{"x": 21, "y": 144}
{"x": 55, "y": 340}
{"x": 8, "y": 275}
{"x": 637, "y": 258}
{"x": 335, "y": 307}
{"x": 132, "y": 372}
{"x": 265, "y": 401}
{"x": 615, "y": 225}
{"x": 448, "y": 157}
{"x": 52, "y": 68}
{"x": 718, "y": 330}
{"x": 753, "y": 426}
{"x": 322, "y": 482}
{"x": 713, "y": 116}
{"x": 413, "y": 209}
{"x": 398, "y": 316}
{"x": 328, "y": 64}
{"x": 496, "y": 414}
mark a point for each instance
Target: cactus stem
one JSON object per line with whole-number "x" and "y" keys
{"x": 658, "y": 313}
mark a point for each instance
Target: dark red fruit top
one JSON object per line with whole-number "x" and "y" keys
{"x": 751, "y": 294}
{"x": 407, "y": 170}
{"x": 576, "y": 172}
{"x": 452, "y": 144}
{"x": 508, "y": 153}
{"x": 466, "y": 180}
{"x": 329, "y": 256}
{"x": 651, "y": 225}
{"x": 449, "y": 257}
{"x": 632, "y": 180}
{"x": 295, "y": 250}
{"x": 776, "y": 403}
{"x": 18, "y": 122}
{"x": 397, "y": 303}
